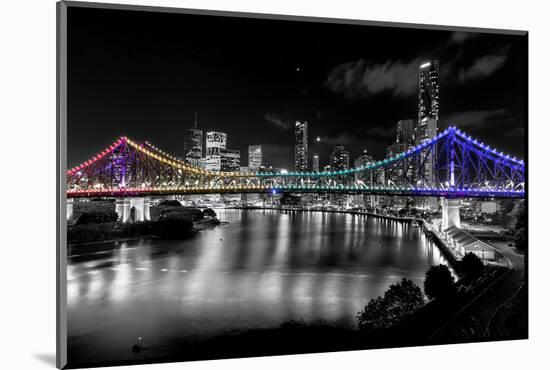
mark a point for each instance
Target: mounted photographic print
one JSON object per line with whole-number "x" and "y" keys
{"x": 236, "y": 185}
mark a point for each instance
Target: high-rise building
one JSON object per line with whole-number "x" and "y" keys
{"x": 395, "y": 171}
{"x": 230, "y": 160}
{"x": 363, "y": 160}
{"x": 300, "y": 146}
{"x": 192, "y": 145}
{"x": 428, "y": 116}
{"x": 405, "y": 132}
{"x": 428, "y": 91}
{"x": 215, "y": 143}
{"x": 366, "y": 177}
{"x": 339, "y": 158}
{"x": 315, "y": 163}
{"x": 425, "y": 130}
{"x": 254, "y": 157}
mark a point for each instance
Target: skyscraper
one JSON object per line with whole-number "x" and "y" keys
{"x": 364, "y": 160}
{"x": 254, "y": 157}
{"x": 230, "y": 160}
{"x": 366, "y": 177}
{"x": 192, "y": 145}
{"x": 395, "y": 171}
{"x": 405, "y": 132}
{"x": 428, "y": 91}
{"x": 315, "y": 163}
{"x": 215, "y": 142}
{"x": 428, "y": 116}
{"x": 300, "y": 146}
{"x": 339, "y": 159}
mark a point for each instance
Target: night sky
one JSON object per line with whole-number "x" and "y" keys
{"x": 144, "y": 75}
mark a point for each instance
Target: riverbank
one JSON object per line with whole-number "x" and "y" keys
{"x": 92, "y": 234}
{"x": 407, "y": 219}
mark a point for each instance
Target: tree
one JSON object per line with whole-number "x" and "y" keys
{"x": 170, "y": 203}
{"x": 400, "y": 301}
{"x": 209, "y": 212}
{"x": 96, "y": 217}
{"x": 439, "y": 282}
{"x": 471, "y": 264}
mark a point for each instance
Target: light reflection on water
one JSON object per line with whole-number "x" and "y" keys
{"x": 261, "y": 269}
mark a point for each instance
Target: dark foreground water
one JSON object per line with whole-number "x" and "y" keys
{"x": 261, "y": 269}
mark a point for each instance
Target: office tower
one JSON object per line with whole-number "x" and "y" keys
{"x": 428, "y": 115}
{"x": 428, "y": 91}
{"x": 363, "y": 160}
{"x": 254, "y": 157}
{"x": 395, "y": 171}
{"x": 426, "y": 129}
{"x": 215, "y": 142}
{"x": 300, "y": 146}
{"x": 339, "y": 158}
{"x": 365, "y": 178}
{"x": 230, "y": 160}
{"x": 315, "y": 163}
{"x": 192, "y": 145}
{"x": 405, "y": 132}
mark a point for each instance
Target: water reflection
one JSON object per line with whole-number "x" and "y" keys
{"x": 261, "y": 269}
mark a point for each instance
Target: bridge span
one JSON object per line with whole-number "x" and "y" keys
{"x": 452, "y": 165}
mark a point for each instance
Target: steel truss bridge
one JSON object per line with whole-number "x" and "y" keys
{"x": 451, "y": 165}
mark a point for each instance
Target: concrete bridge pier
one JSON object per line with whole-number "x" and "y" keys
{"x": 133, "y": 209}
{"x": 450, "y": 213}
{"x": 70, "y": 202}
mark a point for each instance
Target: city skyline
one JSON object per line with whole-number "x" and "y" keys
{"x": 339, "y": 111}
{"x": 244, "y": 186}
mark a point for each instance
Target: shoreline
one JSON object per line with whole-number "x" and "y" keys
{"x": 388, "y": 217}
{"x": 197, "y": 226}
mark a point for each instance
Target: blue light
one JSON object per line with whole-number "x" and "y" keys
{"x": 273, "y": 191}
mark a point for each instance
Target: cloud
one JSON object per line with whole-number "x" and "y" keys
{"x": 344, "y": 138}
{"x": 381, "y": 132}
{"x": 277, "y": 121}
{"x": 478, "y": 118}
{"x": 484, "y": 66}
{"x": 362, "y": 79}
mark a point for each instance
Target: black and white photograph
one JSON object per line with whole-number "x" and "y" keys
{"x": 242, "y": 186}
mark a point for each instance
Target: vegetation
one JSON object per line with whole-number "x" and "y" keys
{"x": 174, "y": 209}
{"x": 170, "y": 203}
{"x": 97, "y": 217}
{"x": 399, "y": 302}
{"x": 209, "y": 212}
{"x": 472, "y": 265}
{"x": 97, "y": 221}
{"x": 439, "y": 283}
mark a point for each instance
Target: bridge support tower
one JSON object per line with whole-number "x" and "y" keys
{"x": 450, "y": 213}
{"x": 133, "y": 209}
{"x": 70, "y": 202}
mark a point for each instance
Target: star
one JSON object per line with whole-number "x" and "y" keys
{"x": 298, "y": 69}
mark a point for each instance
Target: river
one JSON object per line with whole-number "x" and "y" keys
{"x": 260, "y": 269}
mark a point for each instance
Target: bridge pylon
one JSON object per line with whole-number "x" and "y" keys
{"x": 450, "y": 213}
{"x": 133, "y": 209}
